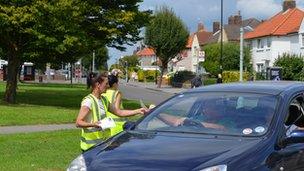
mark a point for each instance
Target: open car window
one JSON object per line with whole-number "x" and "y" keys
{"x": 295, "y": 117}
{"x": 245, "y": 114}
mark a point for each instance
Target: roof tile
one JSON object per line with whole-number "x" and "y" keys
{"x": 146, "y": 52}
{"x": 282, "y": 23}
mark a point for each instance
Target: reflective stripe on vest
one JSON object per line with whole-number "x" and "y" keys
{"x": 92, "y": 136}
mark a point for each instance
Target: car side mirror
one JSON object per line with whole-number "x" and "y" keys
{"x": 296, "y": 136}
{"x": 129, "y": 125}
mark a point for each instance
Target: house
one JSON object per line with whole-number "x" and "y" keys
{"x": 231, "y": 31}
{"x": 147, "y": 59}
{"x": 282, "y": 33}
{"x": 193, "y": 54}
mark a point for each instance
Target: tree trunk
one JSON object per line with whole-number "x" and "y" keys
{"x": 11, "y": 83}
{"x": 160, "y": 77}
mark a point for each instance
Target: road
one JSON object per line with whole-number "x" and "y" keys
{"x": 147, "y": 95}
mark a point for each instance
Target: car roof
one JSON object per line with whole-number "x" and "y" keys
{"x": 264, "y": 87}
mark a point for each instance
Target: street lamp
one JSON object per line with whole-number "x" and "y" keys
{"x": 242, "y": 49}
{"x": 221, "y": 59}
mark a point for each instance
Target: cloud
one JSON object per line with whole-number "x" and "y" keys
{"x": 261, "y": 9}
{"x": 215, "y": 9}
{"x": 300, "y": 4}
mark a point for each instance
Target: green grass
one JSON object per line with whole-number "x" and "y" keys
{"x": 46, "y": 104}
{"x": 39, "y": 151}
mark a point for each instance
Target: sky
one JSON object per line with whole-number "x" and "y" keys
{"x": 207, "y": 11}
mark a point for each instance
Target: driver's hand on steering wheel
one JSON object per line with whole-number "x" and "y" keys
{"x": 179, "y": 121}
{"x": 192, "y": 123}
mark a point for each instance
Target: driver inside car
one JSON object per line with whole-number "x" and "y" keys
{"x": 207, "y": 115}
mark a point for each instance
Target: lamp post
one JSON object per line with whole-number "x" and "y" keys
{"x": 242, "y": 49}
{"x": 221, "y": 58}
{"x": 241, "y": 52}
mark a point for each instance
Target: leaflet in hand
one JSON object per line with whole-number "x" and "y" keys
{"x": 142, "y": 104}
{"x": 107, "y": 123}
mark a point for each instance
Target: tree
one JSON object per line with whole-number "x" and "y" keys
{"x": 167, "y": 35}
{"x": 231, "y": 58}
{"x": 63, "y": 31}
{"x": 101, "y": 57}
{"x": 131, "y": 60}
{"x": 292, "y": 66}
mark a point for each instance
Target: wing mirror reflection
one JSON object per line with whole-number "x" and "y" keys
{"x": 296, "y": 136}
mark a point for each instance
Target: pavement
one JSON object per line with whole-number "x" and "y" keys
{"x": 39, "y": 128}
{"x": 34, "y": 128}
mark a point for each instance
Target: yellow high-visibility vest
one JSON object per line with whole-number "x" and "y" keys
{"x": 119, "y": 121}
{"x": 92, "y": 136}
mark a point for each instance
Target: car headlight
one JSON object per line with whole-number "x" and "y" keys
{"x": 216, "y": 168}
{"x": 78, "y": 164}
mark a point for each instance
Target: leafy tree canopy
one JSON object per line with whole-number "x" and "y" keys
{"x": 131, "y": 60}
{"x": 43, "y": 31}
{"x": 231, "y": 58}
{"x": 101, "y": 57}
{"x": 167, "y": 35}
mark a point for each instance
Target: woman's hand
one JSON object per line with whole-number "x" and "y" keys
{"x": 96, "y": 124}
{"x": 142, "y": 111}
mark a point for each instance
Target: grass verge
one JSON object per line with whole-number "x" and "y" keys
{"x": 46, "y": 104}
{"x": 39, "y": 151}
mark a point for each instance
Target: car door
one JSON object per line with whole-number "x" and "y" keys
{"x": 291, "y": 156}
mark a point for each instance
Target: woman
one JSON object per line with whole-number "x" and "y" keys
{"x": 114, "y": 96}
{"x": 94, "y": 108}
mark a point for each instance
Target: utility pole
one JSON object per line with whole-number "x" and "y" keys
{"x": 221, "y": 58}
{"x": 197, "y": 61}
{"x": 93, "y": 62}
{"x": 241, "y": 52}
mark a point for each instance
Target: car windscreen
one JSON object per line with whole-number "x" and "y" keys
{"x": 228, "y": 113}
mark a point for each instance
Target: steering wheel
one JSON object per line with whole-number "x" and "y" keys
{"x": 192, "y": 123}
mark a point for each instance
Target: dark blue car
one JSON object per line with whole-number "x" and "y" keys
{"x": 241, "y": 126}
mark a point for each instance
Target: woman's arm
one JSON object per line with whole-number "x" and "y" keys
{"x": 118, "y": 100}
{"x": 80, "y": 121}
{"x": 123, "y": 113}
{"x": 213, "y": 125}
{"x": 171, "y": 120}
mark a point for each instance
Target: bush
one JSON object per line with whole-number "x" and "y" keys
{"x": 260, "y": 76}
{"x": 141, "y": 75}
{"x": 180, "y": 77}
{"x": 292, "y": 66}
{"x": 150, "y": 75}
{"x": 234, "y": 76}
{"x": 209, "y": 81}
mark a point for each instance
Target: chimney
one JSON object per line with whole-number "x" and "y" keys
{"x": 200, "y": 27}
{"x": 238, "y": 18}
{"x": 216, "y": 26}
{"x": 231, "y": 20}
{"x": 287, "y": 4}
{"x": 235, "y": 19}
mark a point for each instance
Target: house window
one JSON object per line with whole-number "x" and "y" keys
{"x": 260, "y": 44}
{"x": 260, "y": 67}
{"x": 268, "y": 42}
